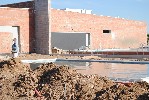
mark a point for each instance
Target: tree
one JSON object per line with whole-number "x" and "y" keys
{"x": 147, "y": 38}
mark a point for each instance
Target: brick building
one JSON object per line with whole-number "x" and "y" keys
{"x": 35, "y": 24}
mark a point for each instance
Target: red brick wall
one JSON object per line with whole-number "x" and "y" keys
{"x": 128, "y": 33}
{"x": 6, "y": 42}
{"x": 24, "y": 18}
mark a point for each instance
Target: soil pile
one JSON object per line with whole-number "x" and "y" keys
{"x": 52, "y": 82}
{"x": 9, "y": 72}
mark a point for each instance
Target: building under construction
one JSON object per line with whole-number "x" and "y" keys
{"x": 38, "y": 28}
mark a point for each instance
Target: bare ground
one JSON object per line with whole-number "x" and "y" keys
{"x": 53, "y": 82}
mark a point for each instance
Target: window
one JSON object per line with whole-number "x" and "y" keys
{"x": 106, "y": 31}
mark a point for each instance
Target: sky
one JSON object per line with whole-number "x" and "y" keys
{"x": 128, "y": 9}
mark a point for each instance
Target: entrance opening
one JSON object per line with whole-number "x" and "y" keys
{"x": 9, "y": 33}
{"x": 70, "y": 40}
{"x": 16, "y": 34}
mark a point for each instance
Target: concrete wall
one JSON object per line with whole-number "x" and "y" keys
{"x": 124, "y": 33}
{"x": 42, "y": 26}
{"x": 24, "y": 18}
{"x": 68, "y": 41}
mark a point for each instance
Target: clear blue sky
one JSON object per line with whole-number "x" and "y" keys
{"x": 129, "y": 9}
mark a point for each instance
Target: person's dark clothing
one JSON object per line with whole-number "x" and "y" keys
{"x": 14, "y": 48}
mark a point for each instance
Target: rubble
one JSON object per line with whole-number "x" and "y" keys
{"x": 52, "y": 82}
{"x": 56, "y": 50}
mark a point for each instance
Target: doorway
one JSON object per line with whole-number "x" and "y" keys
{"x": 16, "y": 34}
{"x": 15, "y": 31}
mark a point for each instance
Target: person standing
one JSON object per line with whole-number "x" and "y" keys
{"x": 14, "y": 48}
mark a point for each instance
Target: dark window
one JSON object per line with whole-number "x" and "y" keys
{"x": 106, "y": 31}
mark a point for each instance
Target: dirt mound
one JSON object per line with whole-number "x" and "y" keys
{"x": 49, "y": 81}
{"x": 9, "y": 73}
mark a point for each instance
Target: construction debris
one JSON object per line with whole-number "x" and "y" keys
{"x": 56, "y": 50}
